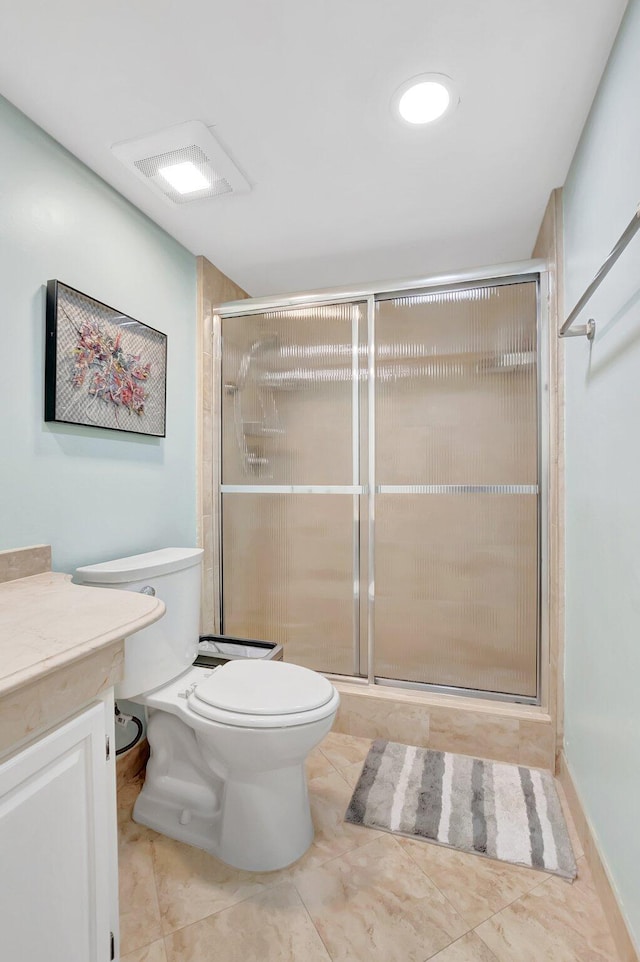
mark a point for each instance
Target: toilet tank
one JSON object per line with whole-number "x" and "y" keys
{"x": 159, "y": 653}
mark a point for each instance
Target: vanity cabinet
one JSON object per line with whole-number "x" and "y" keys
{"x": 61, "y": 654}
{"x": 58, "y": 856}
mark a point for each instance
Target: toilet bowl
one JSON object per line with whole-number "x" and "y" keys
{"x": 228, "y": 745}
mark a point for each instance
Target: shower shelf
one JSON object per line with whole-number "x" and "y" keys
{"x": 254, "y": 429}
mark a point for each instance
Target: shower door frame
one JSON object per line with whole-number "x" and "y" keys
{"x": 522, "y": 271}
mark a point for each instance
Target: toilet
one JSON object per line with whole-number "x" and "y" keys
{"x": 228, "y": 744}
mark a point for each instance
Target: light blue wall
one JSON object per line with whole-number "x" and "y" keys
{"x": 602, "y": 668}
{"x": 92, "y": 494}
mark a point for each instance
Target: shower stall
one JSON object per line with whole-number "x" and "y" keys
{"x": 382, "y": 494}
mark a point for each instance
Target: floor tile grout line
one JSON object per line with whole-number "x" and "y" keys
{"x": 309, "y": 916}
{"x": 232, "y": 905}
{"x": 329, "y": 762}
{"x": 428, "y": 877}
{"x": 359, "y": 849}
{"x": 267, "y": 886}
{"x": 347, "y": 851}
{"x": 512, "y": 902}
{"x": 335, "y": 767}
{"x": 347, "y": 736}
{"x": 524, "y": 895}
{"x": 345, "y": 779}
{"x": 459, "y": 939}
{"x": 377, "y": 835}
{"x": 155, "y": 885}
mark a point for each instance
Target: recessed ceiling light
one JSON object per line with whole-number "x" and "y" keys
{"x": 185, "y": 177}
{"x": 424, "y": 99}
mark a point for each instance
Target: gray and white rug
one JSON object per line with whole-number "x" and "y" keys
{"x": 501, "y": 811}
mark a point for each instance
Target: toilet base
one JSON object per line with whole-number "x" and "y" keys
{"x": 252, "y": 819}
{"x": 247, "y": 831}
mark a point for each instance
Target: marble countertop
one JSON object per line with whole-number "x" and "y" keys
{"x": 47, "y": 623}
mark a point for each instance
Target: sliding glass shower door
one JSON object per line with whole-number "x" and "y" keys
{"x": 291, "y": 482}
{"x": 456, "y": 534}
{"x": 379, "y": 494}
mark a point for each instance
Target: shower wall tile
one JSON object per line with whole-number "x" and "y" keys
{"x": 208, "y": 621}
{"x": 206, "y": 542}
{"x": 499, "y": 731}
{"x": 207, "y": 488}
{"x": 475, "y": 733}
{"x": 207, "y": 332}
{"x": 213, "y": 288}
{"x": 207, "y": 529}
{"x": 207, "y": 428}
{"x": 382, "y": 717}
{"x": 537, "y": 744}
{"x": 549, "y": 245}
{"x": 207, "y": 383}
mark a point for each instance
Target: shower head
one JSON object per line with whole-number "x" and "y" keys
{"x": 269, "y": 342}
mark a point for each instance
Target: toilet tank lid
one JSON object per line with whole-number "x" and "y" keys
{"x": 140, "y": 566}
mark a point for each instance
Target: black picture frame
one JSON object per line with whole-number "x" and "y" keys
{"x": 103, "y": 368}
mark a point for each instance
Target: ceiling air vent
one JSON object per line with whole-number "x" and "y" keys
{"x": 182, "y": 164}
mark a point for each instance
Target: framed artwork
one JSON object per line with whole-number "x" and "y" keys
{"x": 103, "y": 369}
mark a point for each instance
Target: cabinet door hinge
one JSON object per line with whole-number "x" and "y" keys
{"x": 108, "y": 748}
{"x": 112, "y": 954}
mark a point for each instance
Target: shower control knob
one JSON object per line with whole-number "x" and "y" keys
{"x": 148, "y": 590}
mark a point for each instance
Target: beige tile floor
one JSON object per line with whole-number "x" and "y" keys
{"x": 357, "y": 894}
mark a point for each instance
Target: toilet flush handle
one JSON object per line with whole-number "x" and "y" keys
{"x": 148, "y": 590}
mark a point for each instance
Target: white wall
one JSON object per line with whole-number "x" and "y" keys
{"x": 91, "y": 493}
{"x": 603, "y": 474}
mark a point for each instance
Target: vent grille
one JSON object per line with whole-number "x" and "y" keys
{"x": 190, "y": 143}
{"x": 150, "y": 167}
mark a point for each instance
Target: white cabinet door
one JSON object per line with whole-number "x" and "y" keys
{"x": 55, "y": 844}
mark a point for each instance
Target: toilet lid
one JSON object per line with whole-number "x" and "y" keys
{"x": 263, "y": 688}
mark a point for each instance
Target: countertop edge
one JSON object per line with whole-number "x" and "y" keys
{"x": 24, "y": 677}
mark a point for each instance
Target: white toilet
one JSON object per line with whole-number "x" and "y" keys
{"x": 228, "y": 744}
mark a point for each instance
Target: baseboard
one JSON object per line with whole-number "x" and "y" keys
{"x": 602, "y": 881}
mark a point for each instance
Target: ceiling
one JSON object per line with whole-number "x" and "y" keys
{"x": 299, "y": 92}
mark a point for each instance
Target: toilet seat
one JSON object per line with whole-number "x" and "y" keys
{"x": 264, "y": 688}
{"x": 243, "y": 720}
{"x": 263, "y": 694}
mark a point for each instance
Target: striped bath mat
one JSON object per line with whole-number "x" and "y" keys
{"x": 506, "y": 812}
